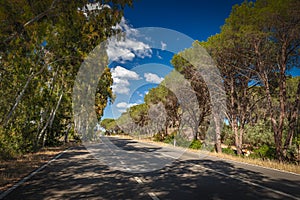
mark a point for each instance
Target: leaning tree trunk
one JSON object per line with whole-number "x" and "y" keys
{"x": 20, "y": 96}
{"x": 42, "y": 134}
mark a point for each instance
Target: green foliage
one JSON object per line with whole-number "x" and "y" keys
{"x": 170, "y": 137}
{"x": 265, "y": 151}
{"x": 139, "y": 113}
{"x": 259, "y": 134}
{"x": 42, "y": 45}
{"x": 208, "y": 147}
{"x": 110, "y": 125}
{"x": 103, "y": 92}
{"x": 182, "y": 141}
{"x": 227, "y": 135}
{"x": 177, "y": 139}
{"x": 228, "y": 151}
{"x": 196, "y": 144}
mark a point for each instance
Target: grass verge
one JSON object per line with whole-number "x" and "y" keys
{"x": 11, "y": 171}
{"x": 264, "y": 163}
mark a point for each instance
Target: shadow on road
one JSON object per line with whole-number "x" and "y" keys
{"x": 126, "y": 144}
{"x": 77, "y": 175}
{"x": 207, "y": 179}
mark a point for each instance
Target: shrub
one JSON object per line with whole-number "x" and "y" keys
{"x": 196, "y": 144}
{"x": 228, "y": 151}
{"x": 264, "y": 151}
{"x": 227, "y": 135}
{"x": 208, "y": 147}
{"x": 170, "y": 137}
{"x": 259, "y": 134}
{"x": 157, "y": 137}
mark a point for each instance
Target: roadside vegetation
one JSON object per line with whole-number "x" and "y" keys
{"x": 12, "y": 170}
{"x": 42, "y": 46}
{"x": 257, "y": 47}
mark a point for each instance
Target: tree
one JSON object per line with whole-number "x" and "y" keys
{"x": 43, "y": 44}
{"x": 261, "y": 39}
{"x": 198, "y": 67}
{"x": 104, "y": 91}
{"x": 293, "y": 108}
{"x": 278, "y": 28}
{"x": 232, "y": 55}
{"x": 169, "y": 104}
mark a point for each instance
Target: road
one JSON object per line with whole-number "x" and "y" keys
{"x": 128, "y": 169}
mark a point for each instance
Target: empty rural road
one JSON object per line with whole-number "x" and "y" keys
{"x": 128, "y": 169}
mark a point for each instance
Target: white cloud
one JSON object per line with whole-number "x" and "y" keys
{"x": 125, "y": 105}
{"x": 121, "y": 72}
{"x": 121, "y": 77}
{"x": 123, "y": 25}
{"x": 153, "y": 78}
{"x": 126, "y": 49}
{"x": 163, "y": 45}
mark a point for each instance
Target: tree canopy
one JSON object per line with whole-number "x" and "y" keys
{"x": 42, "y": 45}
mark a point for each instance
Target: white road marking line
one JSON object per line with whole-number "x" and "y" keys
{"x": 166, "y": 155}
{"x": 151, "y": 194}
{"x": 5, "y": 193}
{"x": 245, "y": 181}
{"x": 250, "y": 183}
{"x": 137, "y": 179}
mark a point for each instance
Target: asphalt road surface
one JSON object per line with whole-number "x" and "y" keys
{"x": 117, "y": 168}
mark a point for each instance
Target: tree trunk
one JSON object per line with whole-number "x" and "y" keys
{"x": 292, "y": 119}
{"x": 237, "y": 138}
{"x": 195, "y": 130}
{"x": 218, "y": 135}
{"x": 43, "y": 134}
{"x": 234, "y": 123}
{"x": 67, "y": 133}
{"x": 19, "y": 97}
{"x": 276, "y": 130}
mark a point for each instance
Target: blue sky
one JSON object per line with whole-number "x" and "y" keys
{"x": 198, "y": 19}
{"x": 142, "y": 67}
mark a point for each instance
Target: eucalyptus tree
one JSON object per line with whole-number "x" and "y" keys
{"x": 43, "y": 44}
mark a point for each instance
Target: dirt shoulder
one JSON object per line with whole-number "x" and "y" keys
{"x": 11, "y": 171}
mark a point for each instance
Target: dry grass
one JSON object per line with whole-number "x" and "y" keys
{"x": 11, "y": 171}
{"x": 264, "y": 163}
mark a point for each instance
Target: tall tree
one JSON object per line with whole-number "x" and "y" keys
{"x": 264, "y": 37}
{"x": 43, "y": 44}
